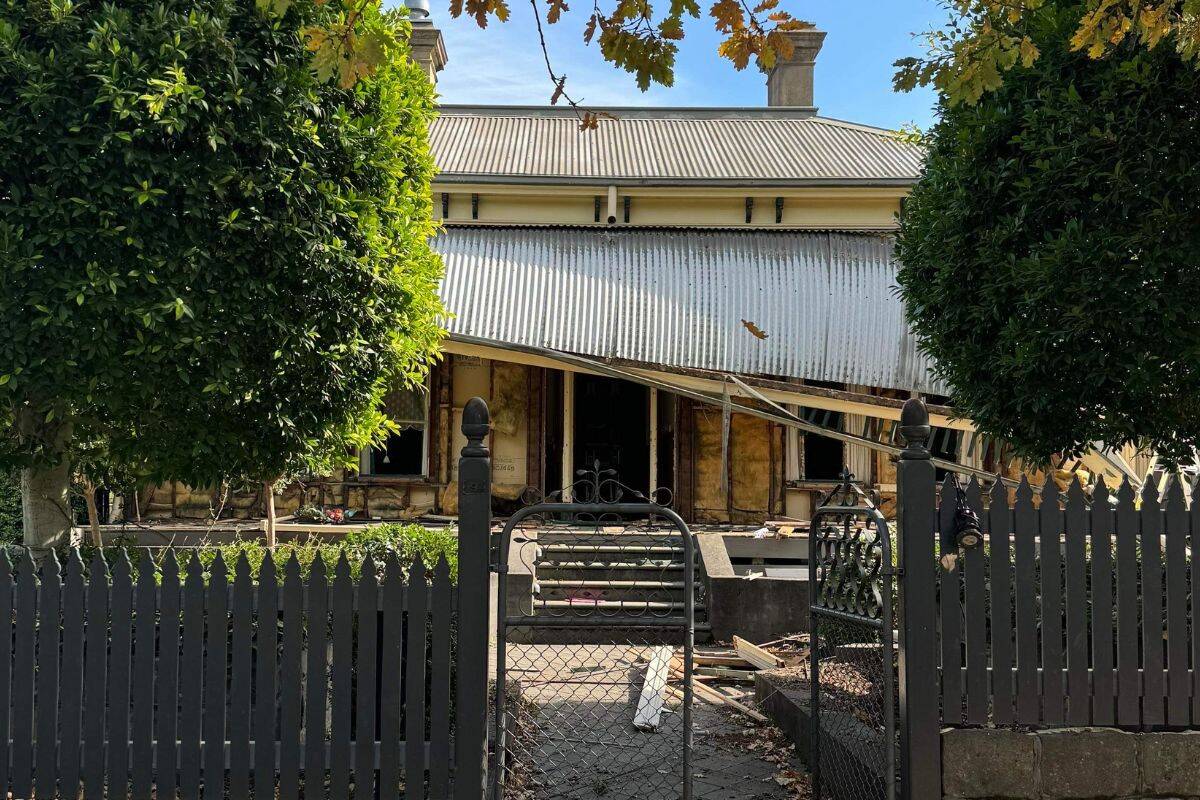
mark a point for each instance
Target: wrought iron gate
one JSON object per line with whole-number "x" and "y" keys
{"x": 852, "y": 650}
{"x": 594, "y": 649}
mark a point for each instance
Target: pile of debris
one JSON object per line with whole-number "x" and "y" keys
{"x": 720, "y": 676}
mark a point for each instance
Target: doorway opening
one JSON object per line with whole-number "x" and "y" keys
{"x": 612, "y": 429}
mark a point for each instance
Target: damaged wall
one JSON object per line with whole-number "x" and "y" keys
{"x": 755, "y": 476}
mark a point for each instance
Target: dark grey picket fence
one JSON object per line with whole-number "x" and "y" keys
{"x": 1076, "y": 612}
{"x": 1073, "y": 610}
{"x": 123, "y": 683}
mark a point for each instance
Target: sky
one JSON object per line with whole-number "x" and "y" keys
{"x": 503, "y": 64}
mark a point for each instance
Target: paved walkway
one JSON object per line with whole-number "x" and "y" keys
{"x": 575, "y": 740}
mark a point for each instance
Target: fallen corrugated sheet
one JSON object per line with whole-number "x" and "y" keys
{"x": 680, "y": 298}
{"x": 678, "y": 146}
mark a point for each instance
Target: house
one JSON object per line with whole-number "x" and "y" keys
{"x": 697, "y": 301}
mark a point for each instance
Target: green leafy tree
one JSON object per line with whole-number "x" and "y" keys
{"x": 1050, "y": 248}
{"x": 214, "y": 251}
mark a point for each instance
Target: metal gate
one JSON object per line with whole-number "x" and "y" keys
{"x": 594, "y": 649}
{"x": 852, "y": 650}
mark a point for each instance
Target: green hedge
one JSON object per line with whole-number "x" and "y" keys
{"x": 404, "y": 541}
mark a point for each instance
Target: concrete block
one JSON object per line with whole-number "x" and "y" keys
{"x": 1170, "y": 764}
{"x": 1088, "y": 763}
{"x": 989, "y": 763}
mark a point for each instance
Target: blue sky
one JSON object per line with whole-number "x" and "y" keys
{"x": 503, "y": 64}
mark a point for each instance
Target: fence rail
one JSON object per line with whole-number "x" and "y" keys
{"x": 1077, "y": 611}
{"x": 119, "y": 682}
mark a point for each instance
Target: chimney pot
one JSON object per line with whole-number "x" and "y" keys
{"x": 790, "y": 81}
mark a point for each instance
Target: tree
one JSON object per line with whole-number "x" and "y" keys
{"x": 1049, "y": 249}
{"x": 214, "y": 249}
{"x": 987, "y": 38}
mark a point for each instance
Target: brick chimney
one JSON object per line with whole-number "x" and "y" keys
{"x": 427, "y": 46}
{"x": 790, "y": 82}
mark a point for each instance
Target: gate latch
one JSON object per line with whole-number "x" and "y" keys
{"x": 498, "y": 568}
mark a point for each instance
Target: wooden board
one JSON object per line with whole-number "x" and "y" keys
{"x": 756, "y": 655}
{"x": 650, "y": 703}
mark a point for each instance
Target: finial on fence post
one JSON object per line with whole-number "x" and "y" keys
{"x": 476, "y": 422}
{"x": 474, "y": 594}
{"x": 915, "y": 429}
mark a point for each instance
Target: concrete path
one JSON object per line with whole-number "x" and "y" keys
{"x": 574, "y": 738}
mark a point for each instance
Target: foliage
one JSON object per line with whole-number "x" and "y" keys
{"x": 10, "y": 507}
{"x": 985, "y": 39}
{"x": 215, "y": 261}
{"x": 1049, "y": 249}
{"x": 643, "y": 41}
{"x": 381, "y": 542}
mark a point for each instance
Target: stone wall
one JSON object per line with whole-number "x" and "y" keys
{"x": 1084, "y": 763}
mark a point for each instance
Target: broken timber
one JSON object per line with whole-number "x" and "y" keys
{"x": 754, "y": 654}
{"x": 650, "y": 703}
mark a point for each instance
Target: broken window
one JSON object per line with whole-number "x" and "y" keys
{"x": 404, "y": 453}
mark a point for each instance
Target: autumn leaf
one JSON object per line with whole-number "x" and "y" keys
{"x": 754, "y": 329}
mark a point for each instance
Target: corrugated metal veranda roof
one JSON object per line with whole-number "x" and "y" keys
{"x": 760, "y": 146}
{"x": 678, "y": 298}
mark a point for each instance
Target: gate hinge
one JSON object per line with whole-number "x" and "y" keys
{"x": 897, "y": 571}
{"x": 498, "y": 568}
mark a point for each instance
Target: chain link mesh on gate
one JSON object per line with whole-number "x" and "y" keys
{"x": 852, "y": 657}
{"x": 594, "y": 644}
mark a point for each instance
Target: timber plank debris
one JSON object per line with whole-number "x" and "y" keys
{"x": 650, "y": 702}
{"x": 710, "y": 668}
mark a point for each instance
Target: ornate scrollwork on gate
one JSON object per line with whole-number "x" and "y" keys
{"x": 850, "y": 553}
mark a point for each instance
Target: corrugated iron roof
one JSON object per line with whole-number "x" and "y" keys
{"x": 678, "y": 298}
{"x": 761, "y": 146}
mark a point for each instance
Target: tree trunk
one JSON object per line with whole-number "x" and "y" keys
{"x": 89, "y": 497}
{"x": 45, "y": 491}
{"x": 269, "y": 501}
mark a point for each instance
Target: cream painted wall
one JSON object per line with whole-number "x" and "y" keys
{"x": 831, "y": 207}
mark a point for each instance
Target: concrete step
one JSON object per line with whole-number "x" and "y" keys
{"x": 596, "y": 547}
{"x": 614, "y": 605}
{"x": 672, "y": 566}
{"x": 561, "y": 583}
{"x": 602, "y": 536}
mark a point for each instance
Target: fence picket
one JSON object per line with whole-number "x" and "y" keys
{"x": 1129, "y": 690}
{"x": 439, "y": 685}
{"x": 414, "y": 683}
{"x": 1153, "y": 677}
{"x": 367, "y": 675}
{"x": 317, "y": 684}
{"x": 119, "y": 673}
{"x": 290, "y": 688}
{"x": 341, "y": 613}
{"x": 166, "y": 680}
{"x": 950, "y": 602}
{"x": 240, "y": 620}
{"x": 142, "y": 719}
{"x": 7, "y": 592}
{"x": 1050, "y": 526}
{"x": 1194, "y": 519}
{"x": 1104, "y": 675}
{"x": 266, "y": 662}
{"x": 1079, "y": 699}
{"x": 95, "y": 679}
{"x": 391, "y": 664}
{"x": 74, "y": 606}
{"x": 46, "y": 705}
{"x": 999, "y": 545}
{"x": 190, "y": 697}
{"x": 215, "y": 661}
{"x": 1178, "y": 705}
{"x": 1025, "y": 580}
{"x": 22, "y": 678}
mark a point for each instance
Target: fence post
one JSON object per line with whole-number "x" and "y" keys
{"x": 474, "y": 592}
{"x": 920, "y": 728}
